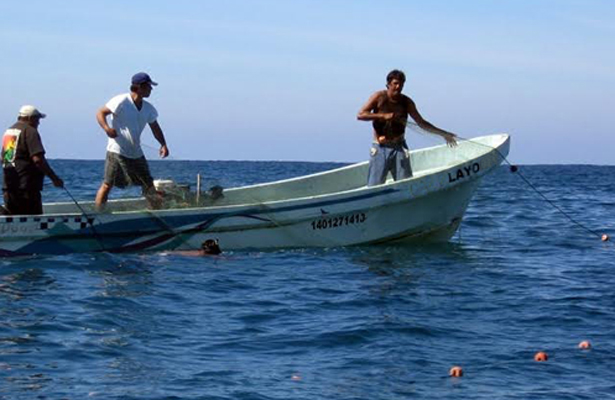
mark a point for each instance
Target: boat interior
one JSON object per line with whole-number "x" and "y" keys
{"x": 352, "y": 177}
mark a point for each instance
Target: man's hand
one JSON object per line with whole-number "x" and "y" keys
{"x": 57, "y": 182}
{"x": 388, "y": 116}
{"x": 111, "y": 133}
{"x": 450, "y": 139}
{"x": 164, "y": 151}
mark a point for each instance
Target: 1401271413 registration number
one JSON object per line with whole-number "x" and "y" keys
{"x": 338, "y": 222}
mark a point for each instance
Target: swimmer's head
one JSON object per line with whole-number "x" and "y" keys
{"x": 210, "y": 246}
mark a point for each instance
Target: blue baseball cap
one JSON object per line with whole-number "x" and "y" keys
{"x": 141, "y": 78}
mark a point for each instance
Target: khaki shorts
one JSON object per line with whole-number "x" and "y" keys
{"x": 122, "y": 171}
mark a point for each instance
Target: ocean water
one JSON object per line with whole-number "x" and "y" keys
{"x": 380, "y": 322}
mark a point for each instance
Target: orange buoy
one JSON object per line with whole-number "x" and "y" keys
{"x": 541, "y": 356}
{"x": 456, "y": 372}
{"x": 585, "y": 345}
{"x": 605, "y": 238}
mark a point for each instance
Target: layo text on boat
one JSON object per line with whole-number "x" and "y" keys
{"x": 464, "y": 172}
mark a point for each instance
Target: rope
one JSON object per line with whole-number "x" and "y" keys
{"x": 87, "y": 218}
{"x": 514, "y": 169}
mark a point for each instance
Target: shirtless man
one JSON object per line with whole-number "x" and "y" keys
{"x": 388, "y": 110}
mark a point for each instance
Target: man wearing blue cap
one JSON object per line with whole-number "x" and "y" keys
{"x": 125, "y": 163}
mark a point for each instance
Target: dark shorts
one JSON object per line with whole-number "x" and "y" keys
{"x": 23, "y": 202}
{"x": 122, "y": 171}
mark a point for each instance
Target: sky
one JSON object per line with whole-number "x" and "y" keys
{"x": 284, "y": 80}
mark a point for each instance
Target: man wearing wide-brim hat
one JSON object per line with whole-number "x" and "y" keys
{"x": 24, "y": 165}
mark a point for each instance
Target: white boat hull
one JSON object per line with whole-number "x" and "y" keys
{"x": 328, "y": 209}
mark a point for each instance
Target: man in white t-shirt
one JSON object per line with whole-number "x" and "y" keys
{"x": 125, "y": 163}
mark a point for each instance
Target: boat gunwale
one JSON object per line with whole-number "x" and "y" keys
{"x": 225, "y": 209}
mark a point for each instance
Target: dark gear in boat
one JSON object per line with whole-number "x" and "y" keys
{"x": 215, "y": 192}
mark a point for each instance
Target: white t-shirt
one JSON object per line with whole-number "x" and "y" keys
{"x": 129, "y": 123}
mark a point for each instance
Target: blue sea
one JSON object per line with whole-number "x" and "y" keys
{"x": 380, "y": 322}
